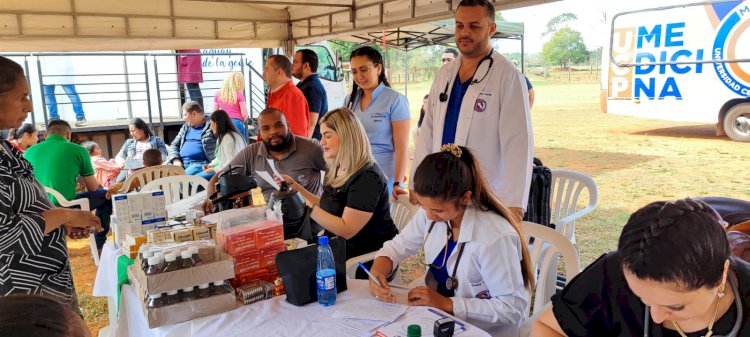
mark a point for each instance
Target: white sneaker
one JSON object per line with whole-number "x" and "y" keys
{"x": 81, "y": 122}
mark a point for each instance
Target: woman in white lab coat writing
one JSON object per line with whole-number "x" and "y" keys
{"x": 479, "y": 267}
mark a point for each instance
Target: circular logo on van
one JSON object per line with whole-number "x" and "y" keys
{"x": 731, "y": 42}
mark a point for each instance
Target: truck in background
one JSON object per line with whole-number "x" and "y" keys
{"x": 681, "y": 63}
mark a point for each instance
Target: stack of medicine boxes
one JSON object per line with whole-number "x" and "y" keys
{"x": 135, "y": 213}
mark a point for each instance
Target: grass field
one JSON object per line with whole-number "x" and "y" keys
{"x": 633, "y": 161}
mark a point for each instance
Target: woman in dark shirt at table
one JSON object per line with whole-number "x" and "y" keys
{"x": 354, "y": 204}
{"x": 672, "y": 276}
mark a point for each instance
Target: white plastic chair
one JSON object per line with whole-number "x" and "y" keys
{"x": 402, "y": 211}
{"x": 564, "y": 200}
{"x": 177, "y": 188}
{"x": 548, "y": 246}
{"x": 83, "y": 203}
{"x": 149, "y": 174}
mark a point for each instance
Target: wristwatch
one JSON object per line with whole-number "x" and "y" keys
{"x": 399, "y": 184}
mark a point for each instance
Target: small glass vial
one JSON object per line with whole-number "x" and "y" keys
{"x": 203, "y": 291}
{"x": 196, "y": 256}
{"x": 160, "y": 255}
{"x": 170, "y": 263}
{"x": 145, "y": 255}
{"x": 155, "y": 301}
{"x": 220, "y": 288}
{"x": 186, "y": 259}
{"x": 188, "y": 294}
{"x": 172, "y": 298}
{"x": 154, "y": 266}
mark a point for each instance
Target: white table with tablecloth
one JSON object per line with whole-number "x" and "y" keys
{"x": 272, "y": 317}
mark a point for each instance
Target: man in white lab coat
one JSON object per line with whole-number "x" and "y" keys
{"x": 480, "y": 101}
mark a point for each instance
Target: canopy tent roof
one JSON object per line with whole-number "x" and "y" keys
{"x": 427, "y": 34}
{"x": 101, "y": 25}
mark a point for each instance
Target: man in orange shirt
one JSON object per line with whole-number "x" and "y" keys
{"x": 284, "y": 95}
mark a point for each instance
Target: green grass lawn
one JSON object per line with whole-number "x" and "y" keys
{"x": 634, "y": 161}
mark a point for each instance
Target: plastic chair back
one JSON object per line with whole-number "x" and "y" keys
{"x": 177, "y": 187}
{"x": 149, "y": 174}
{"x": 567, "y": 188}
{"x": 548, "y": 246}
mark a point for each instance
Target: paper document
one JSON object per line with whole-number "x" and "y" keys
{"x": 267, "y": 177}
{"x": 273, "y": 168}
{"x": 370, "y": 309}
{"x": 357, "y": 327}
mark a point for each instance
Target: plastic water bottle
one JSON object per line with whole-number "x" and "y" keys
{"x": 326, "y": 273}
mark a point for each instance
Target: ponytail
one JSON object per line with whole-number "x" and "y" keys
{"x": 449, "y": 174}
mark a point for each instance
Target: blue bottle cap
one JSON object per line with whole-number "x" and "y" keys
{"x": 322, "y": 240}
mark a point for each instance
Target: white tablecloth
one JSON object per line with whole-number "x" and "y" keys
{"x": 105, "y": 283}
{"x": 273, "y": 317}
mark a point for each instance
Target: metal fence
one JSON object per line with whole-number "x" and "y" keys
{"x": 116, "y": 87}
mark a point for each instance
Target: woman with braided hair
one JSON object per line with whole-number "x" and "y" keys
{"x": 479, "y": 267}
{"x": 672, "y": 275}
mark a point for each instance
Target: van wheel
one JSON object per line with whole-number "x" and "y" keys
{"x": 737, "y": 123}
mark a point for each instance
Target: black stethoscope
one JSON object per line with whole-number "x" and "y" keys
{"x": 451, "y": 282}
{"x": 488, "y": 57}
{"x": 737, "y": 322}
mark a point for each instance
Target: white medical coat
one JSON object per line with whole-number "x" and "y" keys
{"x": 490, "y": 292}
{"x": 494, "y": 122}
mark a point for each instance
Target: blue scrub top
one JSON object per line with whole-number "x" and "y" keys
{"x": 454, "y": 109}
{"x": 387, "y": 106}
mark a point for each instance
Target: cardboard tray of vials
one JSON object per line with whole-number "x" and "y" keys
{"x": 187, "y": 310}
{"x": 222, "y": 268}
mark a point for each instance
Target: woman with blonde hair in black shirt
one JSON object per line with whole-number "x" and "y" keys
{"x": 355, "y": 203}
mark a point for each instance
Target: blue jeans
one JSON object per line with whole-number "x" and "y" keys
{"x": 103, "y": 207}
{"x": 194, "y": 90}
{"x": 51, "y": 101}
{"x": 195, "y": 168}
{"x": 240, "y": 127}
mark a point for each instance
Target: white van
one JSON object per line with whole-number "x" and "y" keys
{"x": 682, "y": 63}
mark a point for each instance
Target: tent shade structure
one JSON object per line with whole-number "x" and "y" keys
{"x": 427, "y": 34}
{"x": 107, "y": 25}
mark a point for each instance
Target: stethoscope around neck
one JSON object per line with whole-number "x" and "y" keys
{"x": 444, "y": 95}
{"x": 451, "y": 283}
{"x": 737, "y": 322}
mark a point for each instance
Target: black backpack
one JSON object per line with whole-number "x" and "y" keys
{"x": 538, "y": 208}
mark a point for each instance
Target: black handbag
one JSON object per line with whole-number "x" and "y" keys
{"x": 538, "y": 209}
{"x": 233, "y": 190}
{"x": 297, "y": 270}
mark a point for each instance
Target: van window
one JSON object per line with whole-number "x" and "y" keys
{"x": 326, "y": 65}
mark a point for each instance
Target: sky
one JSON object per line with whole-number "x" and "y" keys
{"x": 595, "y": 32}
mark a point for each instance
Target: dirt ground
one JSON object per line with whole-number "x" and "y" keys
{"x": 633, "y": 161}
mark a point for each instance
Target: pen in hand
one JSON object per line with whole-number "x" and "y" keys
{"x": 374, "y": 279}
{"x": 387, "y": 296}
